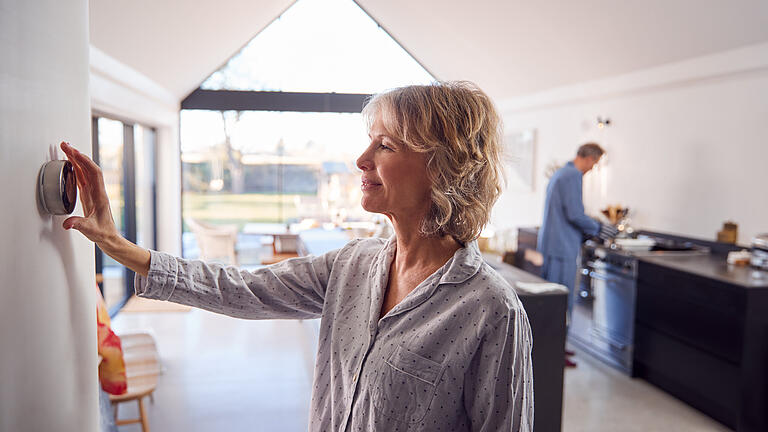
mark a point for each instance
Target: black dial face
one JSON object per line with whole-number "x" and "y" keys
{"x": 68, "y": 187}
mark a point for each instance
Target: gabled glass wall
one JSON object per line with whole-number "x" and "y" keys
{"x": 269, "y": 147}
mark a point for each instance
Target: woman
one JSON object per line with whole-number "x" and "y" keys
{"x": 417, "y": 332}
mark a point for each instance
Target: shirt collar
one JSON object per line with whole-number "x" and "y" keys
{"x": 464, "y": 264}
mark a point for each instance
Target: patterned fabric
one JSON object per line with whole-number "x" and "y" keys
{"x": 453, "y": 355}
{"x": 112, "y": 365}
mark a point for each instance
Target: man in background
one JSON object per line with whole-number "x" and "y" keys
{"x": 565, "y": 224}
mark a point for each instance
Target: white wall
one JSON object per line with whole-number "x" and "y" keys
{"x": 48, "y": 360}
{"x": 119, "y": 91}
{"x": 687, "y": 148}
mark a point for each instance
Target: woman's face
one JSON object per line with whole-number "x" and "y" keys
{"x": 394, "y": 180}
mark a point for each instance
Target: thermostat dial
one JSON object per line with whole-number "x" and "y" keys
{"x": 57, "y": 185}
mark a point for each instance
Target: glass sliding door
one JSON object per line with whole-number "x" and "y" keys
{"x": 110, "y": 159}
{"x": 126, "y": 154}
{"x": 144, "y": 143}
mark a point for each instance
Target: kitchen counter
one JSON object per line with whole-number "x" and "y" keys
{"x": 700, "y": 327}
{"x": 701, "y": 334}
{"x": 712, "y": 267}
{"x": 549, "y": 332}
{"x": 513, "y": 274}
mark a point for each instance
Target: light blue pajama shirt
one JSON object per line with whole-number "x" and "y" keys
{"x": 563, "y": 228}
{"x": 453, "y": 355}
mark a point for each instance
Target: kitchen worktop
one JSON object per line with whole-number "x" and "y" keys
{"x": 700, "y": 328}
{"x": 700, "y": 334}
{"x": 713, "y": 267}
{"x": 513, "y": 274}
{"x": 548, "y": 332}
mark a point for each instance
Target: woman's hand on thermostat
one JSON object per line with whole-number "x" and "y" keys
{"x": 97, "y": 223}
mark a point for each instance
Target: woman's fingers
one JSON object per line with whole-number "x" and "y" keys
{"x": 89, "y": 177}
{"x": 85, "y": 193}
{"x": 89, "y": 167}
{"x": 97, "y": 223}
{"x": 73, "y": 222}
{"x": 72, "y": 155}
{"x": 82, "y": 183}
{"x": 86, "y": 226}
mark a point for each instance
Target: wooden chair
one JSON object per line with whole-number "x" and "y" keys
{"x": 215, "y": 241}
{"x": 285, "y": 243}
{"x": 142, "y": 368}
{"x": 284, "y": 246}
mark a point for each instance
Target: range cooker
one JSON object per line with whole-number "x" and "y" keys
{"x": 602, "y": 321}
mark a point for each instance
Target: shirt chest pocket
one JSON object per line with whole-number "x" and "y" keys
{"x": 405, "y": 386}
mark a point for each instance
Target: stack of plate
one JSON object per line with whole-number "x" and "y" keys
{"x": 639, "y": 244}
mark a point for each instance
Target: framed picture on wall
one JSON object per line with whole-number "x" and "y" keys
{"x": 520, "y": 159}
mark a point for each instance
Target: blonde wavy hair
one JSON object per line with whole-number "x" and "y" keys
{"x": 456, "y": 125}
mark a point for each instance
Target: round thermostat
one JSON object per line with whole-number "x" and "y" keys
{"x": 57, "y": 185}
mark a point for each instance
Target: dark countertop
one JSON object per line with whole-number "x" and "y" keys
{"x": 713, "y": 267}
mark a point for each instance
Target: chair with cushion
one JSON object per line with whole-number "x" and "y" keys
{"x": 215, "y": 241}
{"x": 142, "y": 369}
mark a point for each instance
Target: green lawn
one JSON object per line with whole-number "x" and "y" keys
{"x": 237, "y": 209}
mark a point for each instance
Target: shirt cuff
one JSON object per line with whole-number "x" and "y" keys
{"x": 160, "y": 280}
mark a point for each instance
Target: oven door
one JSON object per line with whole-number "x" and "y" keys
{"x": 613, "y": 315}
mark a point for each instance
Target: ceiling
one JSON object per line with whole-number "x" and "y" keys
{"x": 509, "y": 47}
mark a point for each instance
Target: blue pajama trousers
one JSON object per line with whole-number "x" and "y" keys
{"x": 563, "y": 271}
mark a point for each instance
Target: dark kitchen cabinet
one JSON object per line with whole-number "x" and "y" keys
{"x": 548, "y": 351}
{"x": 704, "y": 341}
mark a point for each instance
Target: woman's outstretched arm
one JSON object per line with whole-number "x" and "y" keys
{"x": 97, "y": 223}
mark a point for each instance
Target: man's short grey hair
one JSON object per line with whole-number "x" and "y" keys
{"x": 590, "y": 149}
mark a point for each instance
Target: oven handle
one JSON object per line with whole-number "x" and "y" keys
{"x": 600, "y": 276}
{"x": 598, "y": 334}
